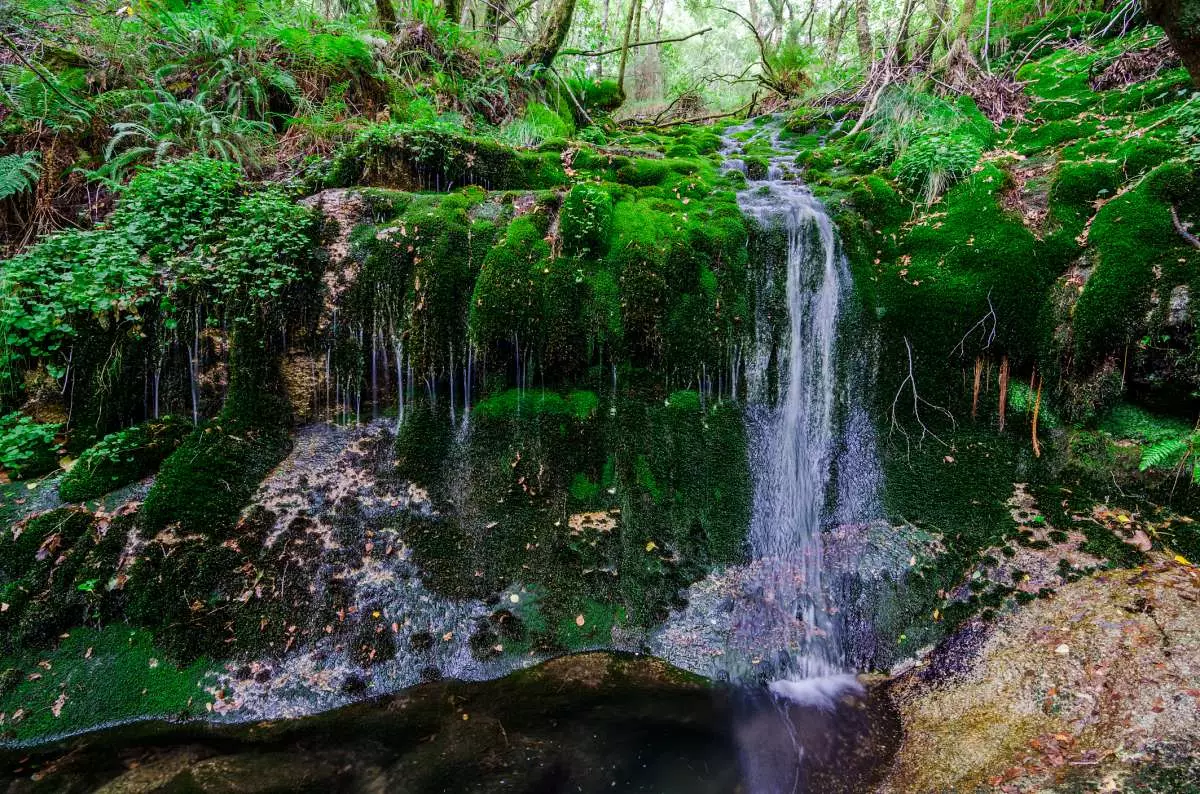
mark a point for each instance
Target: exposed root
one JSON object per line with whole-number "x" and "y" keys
{"x": 1183, "y": 229}
{"x": 910, "y": 384}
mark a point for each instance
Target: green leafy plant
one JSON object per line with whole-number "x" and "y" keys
{"x": 1188, "y": 135}
{"x": 44, "y": 289}
{"x": 27, "y": 447}
{"x": 123, "y": 457}
{"x": 55, "y": 104}
{"x": 260, "y": 248}
{"x": 19, "y": 172}
{"x": 932, "y": 164}
{"x": 1179, "y": 453}
{"x": 165, "y": 127}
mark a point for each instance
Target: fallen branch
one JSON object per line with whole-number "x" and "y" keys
{"x": 611, "y": 50}
{"x": 697, "y": 119}
{"x": 12, "y": 46}
{"x": 1183, "y": 230}
{"x": 1037, "y": 450}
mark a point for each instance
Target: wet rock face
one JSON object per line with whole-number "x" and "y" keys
{"x": 1084, "y": 688}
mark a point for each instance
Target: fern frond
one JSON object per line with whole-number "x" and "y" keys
{"x": 1163, "y": 454}
{"x": 19, "y": 172}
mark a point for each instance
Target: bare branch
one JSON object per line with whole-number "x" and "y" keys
{"x": 987, "y": 336}
{"x": 611, "y": 50}
{"x": 1183, "y": 230}
{"x": 910, "y": 384}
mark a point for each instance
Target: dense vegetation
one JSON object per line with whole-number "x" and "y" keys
{"x": 503, "y": 237}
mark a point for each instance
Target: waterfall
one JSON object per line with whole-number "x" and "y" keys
{"x": 805, "y": 421}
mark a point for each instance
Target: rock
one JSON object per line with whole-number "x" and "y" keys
{"x": 1088, "y": 681}
{"x": 158, "y": 775}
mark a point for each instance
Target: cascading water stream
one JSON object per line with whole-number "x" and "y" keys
{"x": 803, "y": 426}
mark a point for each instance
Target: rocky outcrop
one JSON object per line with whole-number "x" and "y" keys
{"x": 1086, "y": 686}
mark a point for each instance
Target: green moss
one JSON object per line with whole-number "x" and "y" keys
{"x": 965, "y": 253}
{"x": 512, "y": 404}
{"x": 203, "y": 486}
{"x": 586, "y": 220}
{"x": 96, "y": 678}
{"x": 123, "y": 457}
{"x": 437, "y": 157}
{"x": 642, "y": 172}
{"x": 1136, "y": 245}
{"x": 59, "y": 572}
{"x": 670, "y": 479}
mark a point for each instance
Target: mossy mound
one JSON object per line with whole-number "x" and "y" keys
{"x": 59, "y": 570}
{"x": 413, "y": 157}
{"x": 123, "y": 457}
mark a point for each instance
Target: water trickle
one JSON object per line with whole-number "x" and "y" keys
{"x": 803, "y": 425}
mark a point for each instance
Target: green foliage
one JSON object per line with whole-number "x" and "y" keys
{"x": 259, "y": 249}
{"x": 27, "y": 448}
{"x": 60, "y": 107}
{"x": 122, "y": 457}
{"x": 1172, "y": 453}
{"x": 537, "y": 123}
{"x": 19, "y": 173}
{"x": 168, "y": 210}
{"x": 68, "y": 275}
{"x": 932, "y": 163}
{"x": 165, "y": 127}
{"x": 1188, "y": 131}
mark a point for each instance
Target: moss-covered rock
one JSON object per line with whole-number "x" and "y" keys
{"x": 123, "y": 457}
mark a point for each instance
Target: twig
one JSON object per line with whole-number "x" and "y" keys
{"x": 989, "y": 336}
{"x": 12, "y": 45}
{"x": 1183, "y": 231}
{"x": 762, "y": 47}
{"x": 611, "y": 50}
{"x": 571, "y": 94}
{"x": 910, "y": 381}
{"x": 700, "y": 118}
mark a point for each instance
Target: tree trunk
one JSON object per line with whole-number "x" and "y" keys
{"x": 453, "y": 9}
{"x": 901, "y": 51}
{"x": 937, "y": 23}
{"x": 633, "y": 4}
{"x": 958, "y": 56}
{"x": 1180, "y": 19}
{"x": 603, "y": 36}
{"x": 837, "y": 30}
{"x": 865, "y": 50}
{"x": 385, "y": 13}
{"x": 551, "y": 36}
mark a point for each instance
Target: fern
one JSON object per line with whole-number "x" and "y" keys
{"x": 1165, "y": 454}
{"x": 19, "y": 172}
